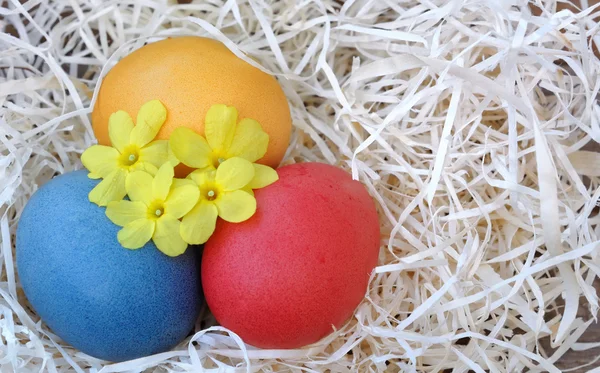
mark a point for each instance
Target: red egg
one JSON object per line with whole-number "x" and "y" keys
{"x": 299, "y": 267}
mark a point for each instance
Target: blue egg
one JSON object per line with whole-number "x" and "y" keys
{"x": 109, "y": 302}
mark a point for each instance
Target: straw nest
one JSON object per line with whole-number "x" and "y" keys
{"x": 468, "y": 122}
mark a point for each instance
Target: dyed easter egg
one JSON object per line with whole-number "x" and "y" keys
{"x": 189, "y": 75}
{"x": 299, "y": 267}
{"x": 109, "y": 302}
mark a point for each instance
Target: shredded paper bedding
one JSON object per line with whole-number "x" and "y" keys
{"x": 471, "y": 123}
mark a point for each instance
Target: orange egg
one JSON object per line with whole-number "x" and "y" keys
{"x": 189, "y": 75}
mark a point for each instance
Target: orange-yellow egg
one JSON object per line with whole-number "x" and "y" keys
{"x": 189, "y": 75}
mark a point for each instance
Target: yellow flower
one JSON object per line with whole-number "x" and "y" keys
{"x": 153, "y": 212}
{"x": 132, "y": 151}
{"x": 225, "y": 138}
{"x": 221, "y": 194}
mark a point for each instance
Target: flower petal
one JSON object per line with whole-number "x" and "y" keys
{"x": 234, "y": 173}
{"x": 120, "y": 125}
{"x": 202, "y": 177}
{"x": 136, "y": 234}
{"x": 100, "y": 160}
{"x": 249, "y": 141}
{"x": 112, "y": 188}
{"x": 177, "y": 183}
{"x": 162, "y": 182}
{"x": 144, "y": 166}
{"x": 167, "y": 237}
{"x": 156, "y": 153}
{"x": 199, "y": 224}
{"x": 219, "y": 126}
{"x": 139, "y": 187}
{"x": 190, "y": 148}
{"x": 124, "y": 212}
{"x": 150, "y": 118}
{"x": 171, "y": 156}
{"x": 181, "y": 199}
{"x": 263, "y": 176}
{"x": 236, "y": 206}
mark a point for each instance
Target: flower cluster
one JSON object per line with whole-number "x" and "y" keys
{"x": 170, "y": 211}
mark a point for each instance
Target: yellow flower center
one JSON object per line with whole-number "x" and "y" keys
{"x": 217, "y": 160}
{"x": 156, "y": 209}
{"x": 209, "y": 192}
{"x": 129, "y": 156}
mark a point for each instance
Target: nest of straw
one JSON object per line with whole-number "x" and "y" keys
{"x": 470, "y": 123}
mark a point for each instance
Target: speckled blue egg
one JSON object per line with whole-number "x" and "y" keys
{"x": 109, "y": 302}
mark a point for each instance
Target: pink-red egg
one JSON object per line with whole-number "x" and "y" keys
{"x": 300, "y": 266}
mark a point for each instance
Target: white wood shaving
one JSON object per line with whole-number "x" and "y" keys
{"x": 469, "y": 122}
